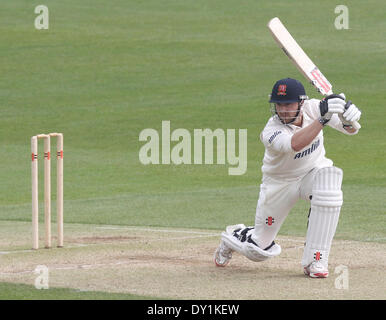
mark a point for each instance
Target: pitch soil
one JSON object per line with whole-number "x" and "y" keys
{"x": 178, "y": 264}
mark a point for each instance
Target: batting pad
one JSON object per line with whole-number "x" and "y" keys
{"x": 327, "y": 199}
{"x": 247, "y": 249}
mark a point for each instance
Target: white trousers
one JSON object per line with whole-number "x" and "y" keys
{"x": 276, "y": 199}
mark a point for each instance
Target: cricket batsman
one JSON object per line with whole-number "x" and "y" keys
{"x": 295, "y": 167}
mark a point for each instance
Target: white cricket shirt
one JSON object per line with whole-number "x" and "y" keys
{"x": 280, "y": 160}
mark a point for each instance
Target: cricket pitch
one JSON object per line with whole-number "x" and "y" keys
{"x": 178, "y": 264}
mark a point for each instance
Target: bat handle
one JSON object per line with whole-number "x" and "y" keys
{"x": 356, "y": 125}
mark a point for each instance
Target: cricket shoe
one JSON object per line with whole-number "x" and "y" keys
{"x": 316, "y": 270}
{"x": 223, "y": 255}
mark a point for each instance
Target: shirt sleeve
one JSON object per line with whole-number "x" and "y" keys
{"x": 277, "y": 140}
{"x": 337, "y": 125}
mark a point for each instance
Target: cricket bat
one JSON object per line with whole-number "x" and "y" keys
{"x": 296, "y": 54}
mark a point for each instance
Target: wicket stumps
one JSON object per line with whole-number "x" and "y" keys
{"x": 47, "y": 189}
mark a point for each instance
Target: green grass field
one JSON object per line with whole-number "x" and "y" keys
{"x": 10, "y": 291}
{"x": 104, "y": 71}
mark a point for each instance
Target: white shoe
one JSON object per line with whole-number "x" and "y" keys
{"x": 223, "y": 255}
{"x": 316, "y": 270}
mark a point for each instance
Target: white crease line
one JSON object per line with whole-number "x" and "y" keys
{"x": 290, "y": 240}
{"x": 15, "y": 251}
{"x": 16, "y": 273}
{"x": 147, "y": 240}
{"x": 217, "y": 234}
{"x": 375, "y": 239}
{"x": 203, "y": 235}
{"x": 157, "y": 230}
{"x": 33, "y": 250}
{"x": 183, "y": 238}
{"x": 86, "y": 266}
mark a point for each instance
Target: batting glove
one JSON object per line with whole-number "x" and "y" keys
{"x": 352, "y": 113}
{"x": 331, "y": 104}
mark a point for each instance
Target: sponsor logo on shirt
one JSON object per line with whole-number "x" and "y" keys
{"x": 308, "y": 151}
{"x": 274, "y": 136}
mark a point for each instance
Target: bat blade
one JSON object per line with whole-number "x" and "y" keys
{"x": 292, "y": 49}
{"x": 296, "y": 54}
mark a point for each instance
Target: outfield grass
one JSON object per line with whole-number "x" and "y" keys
{"x": 104, "y": 72}
{"x": 11, "y": 291}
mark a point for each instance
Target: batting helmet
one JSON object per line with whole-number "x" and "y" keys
{"x": 287, "y": 91}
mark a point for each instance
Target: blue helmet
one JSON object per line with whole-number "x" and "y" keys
{"x": 288, "y": 91}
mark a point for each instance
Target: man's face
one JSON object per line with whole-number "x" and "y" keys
{"x": 287, "y": 111}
